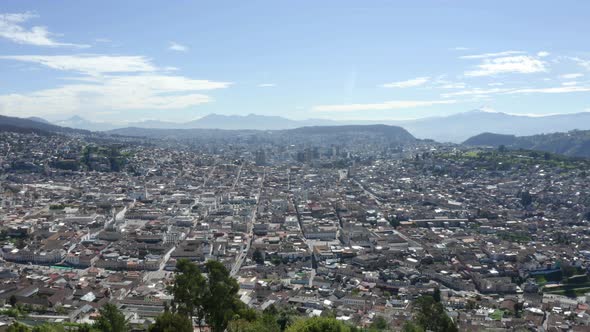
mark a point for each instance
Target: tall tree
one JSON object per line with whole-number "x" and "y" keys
{"x": 111, "y": 319}
{"x": 222, "y": 302}
{"x": 379, "y": 324}
{"x": 318, "y": 324}
{"x": 412, "y": 327}
{"x": 258, "y": 257}
{"x": 436, "y": 295}
{"x": 172, "y": 322}
{"x": 12, "y": 300}
{"x": 431, "y": 315}
{"x": 189, "y": 290}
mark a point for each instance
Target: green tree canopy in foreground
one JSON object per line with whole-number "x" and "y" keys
{"x": 172, "y": 322}
{"x": 431, "y": 315}
{"x": 111, "y": 319}
{"x": 213, "y": 298}
{"x": 318, "y": 324}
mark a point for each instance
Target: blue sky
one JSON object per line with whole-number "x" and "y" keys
{"x": 178, "y": 61}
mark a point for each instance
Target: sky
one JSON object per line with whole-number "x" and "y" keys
{"x": 124, "y": 61}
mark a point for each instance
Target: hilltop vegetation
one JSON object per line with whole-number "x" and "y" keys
{"x": 502, "y": 159}
{"x": 575, "y": 143}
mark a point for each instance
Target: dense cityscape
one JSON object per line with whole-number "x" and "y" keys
{"x": 351, "y": 231}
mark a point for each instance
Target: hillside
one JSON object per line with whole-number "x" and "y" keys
{"x": 391, "y": 132}
{"x": 315, "y": 134}
{"x": 9, "y": 122}
{"x": 491, "y": 139}
{"x": 574, "y": 143}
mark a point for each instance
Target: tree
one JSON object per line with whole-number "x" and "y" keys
{"x": 111, "y": 319}
{"x": 84, "y": 328}
{"x": 412, "y": 327}
{"x": 213, "y": 298}
{"x": 526, "y": 198}
{"x": 284, "y": 319}
{"x": 431, "y": 315}
{"x": 12, "y": 300}
{"x": 18, "y": 327}
{"x": 567, "y": 269}
{"x": 271, "y": 320}
{"x": 258, "y": 257}
{"x": 436, "y": 295}
{"x": 318, "y": 324}
{"x": 394, "y": 221}
{"x": 518, "y": 306}
{"x": 222, "y": 302}
{"x": 189, "y": 290}
{"x": 265, "y": 322}
{"x": 49, "y": 328}
{"x": 379, "y": 323}
{"x": 20, "y": 243}
{"x": 171, "y": 322}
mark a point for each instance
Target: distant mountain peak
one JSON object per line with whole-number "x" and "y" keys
{"x": 486, "y": 110}
{"x": 76, "y": 118}
{"x": 38, "y": 119}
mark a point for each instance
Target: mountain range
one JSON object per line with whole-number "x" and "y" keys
{"x": 36, "y": 125}
{"x": 211, "y": 121}
{"x": 457, "y": 128}
{"x": 571, "y": 143}
{"x": 454, "y": 128}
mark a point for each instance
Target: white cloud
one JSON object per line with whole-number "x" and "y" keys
{"x": 388, "y": 105}
{"x": 495, "y": 84}
{"x": 543, "y": 54}
{"x": 522, "y": 64}
{"x": 165, "y": 84}
{"x": 566, "y": 87}
{"x": 571, "y": 76}
{"x": 560, "y": 89}
{"x": 490, "y": 55}
{"x": 584, "y": 63}
{"x": 139, "y": 92}
{"x": 407, "y": 84}
{"x": 474, "y": 92}
{"x": 266, "y": 85}
{"x": 107, "y": 83}
{"x": 460, "y": 48}
{"x": 11, "y": 28}
{"x": 452, "y": 85}
{"x": 89, "y": 64}
{"x": 174, "y": 46}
